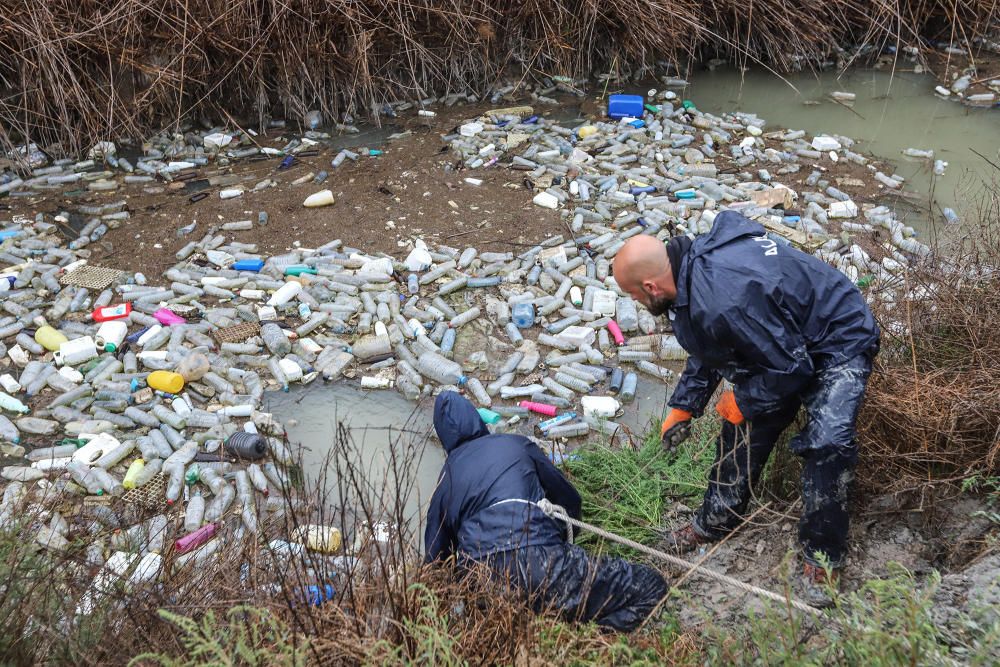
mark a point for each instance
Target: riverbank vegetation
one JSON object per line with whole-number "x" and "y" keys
{"x": 73, "y": 72}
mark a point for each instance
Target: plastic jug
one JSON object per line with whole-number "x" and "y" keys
{"x": 49, "y": 338}
{"x": 253, "y": 265}
{"x": 75, "y": 352}
{"x": 111, "y": 334}
{"x": 523, "y": 315}
{"x": 166, "y": 381}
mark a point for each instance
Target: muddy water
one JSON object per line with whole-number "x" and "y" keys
{"x": 891, "y": 112}
{"x": 385, "y": 426}
{"x": 391, "y": 443}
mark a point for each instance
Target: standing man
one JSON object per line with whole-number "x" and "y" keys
{"x": 786, "y": 329}
{"x": 483, "y": 511}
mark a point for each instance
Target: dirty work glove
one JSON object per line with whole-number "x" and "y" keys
{"x": 676, "y": 429}
{"x": 728, "y": 409}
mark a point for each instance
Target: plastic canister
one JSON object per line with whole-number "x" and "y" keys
{"x": 166, "y": 381}
{"x": 111, "y": 334}
{"x": 604, "y": 302}
{"x": 49, "y": 338}
{"x": 292, "y": 371}
{"x": 523, "y": 315}
{"x": 254, "y": 265}
{"x": 325, "y": 539}
{"x": 75, "y": 351}
{"x": 622, "y": 106}
{"x": 600, "y": 406}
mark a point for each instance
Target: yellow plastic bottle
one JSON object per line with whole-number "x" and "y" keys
{"x": 326, "y": 539}
{"x": 49, "y": 338}
{"x": 166, "y": 381}
{"x": 133, "y": 473}
{"x": 586, "y": 131}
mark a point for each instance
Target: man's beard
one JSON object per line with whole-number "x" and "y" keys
{"x": 658, "y": 306}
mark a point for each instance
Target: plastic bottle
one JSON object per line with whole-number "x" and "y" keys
{"x": 11, "y": 404}
{"x": 49, "y": 338}
{"x": 134, "y": 471}
{"x": 275, "y": 339}
{"x": 440, "y": 369}
{"x": 195, "y": 539}
{"x": 616, "y": 332}
{"x": 193, "y": 367}
{"x": 116, "y": 312}
{"x": 285, "y": 293}
{"x": 194, "y": 513}
{"x": 9, "y": 432}
{"x": 628, "y": 387}
{"x": 627, "y": 316}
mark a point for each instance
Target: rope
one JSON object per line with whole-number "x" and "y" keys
{"x": 557, "y": 512}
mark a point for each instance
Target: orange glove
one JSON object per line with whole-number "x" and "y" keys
{"x": 675, "y": 429}
{"x": 728, "y": 409}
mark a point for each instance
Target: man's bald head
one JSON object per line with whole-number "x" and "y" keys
{"x": 642, "y": 269}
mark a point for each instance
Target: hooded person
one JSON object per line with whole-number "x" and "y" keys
{"x": 482, "y": 512}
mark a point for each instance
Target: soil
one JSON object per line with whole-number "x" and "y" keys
{"x": 923, "y": 534}
{"x": 415, "y": 189}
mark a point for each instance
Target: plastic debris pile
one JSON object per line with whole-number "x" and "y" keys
{"x": 151, "y": 386}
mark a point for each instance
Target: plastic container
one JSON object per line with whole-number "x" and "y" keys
{"x": 319, "y": 199}
{"x": 196, "y": 539}
{"x": 325, "y": 539}
{"x": 168, "y": 318}
{"x": 249, "y": 446}
{"x": 523, "y": 315}
{"x": 540, "y": 408}
{"x": 111, "y": 334}
{"x": 625, "y": 106}
{"x": 49, "y": 338}
{"x": 440, "y": 369}
{"x": 75, "y": 352}
{"x": 106, "y": 313}
{"x": 600, "y": 406}
{"x": 251, "y": 265}
{"x": 166, "y": 381}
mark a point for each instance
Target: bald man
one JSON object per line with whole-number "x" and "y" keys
{"x": 786, "y": 330}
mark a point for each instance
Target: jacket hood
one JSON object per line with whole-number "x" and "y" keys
{"x": 728, "y": 225}
{"x": 456, "y": 420}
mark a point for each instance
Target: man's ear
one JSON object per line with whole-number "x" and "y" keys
{"x": 650, "y": 287}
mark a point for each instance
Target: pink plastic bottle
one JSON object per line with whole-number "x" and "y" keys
{"x": 540, "y": 408}
{"x": 616, "y": 333}
{"x": 168, "y": 318}
{"x": 196, "y": 539}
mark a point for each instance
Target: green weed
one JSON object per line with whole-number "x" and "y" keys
{"x": 627, "y": 491}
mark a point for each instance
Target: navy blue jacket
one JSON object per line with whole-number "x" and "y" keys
{"x": 466, "y": 513}
{"x": 763, "y": 315}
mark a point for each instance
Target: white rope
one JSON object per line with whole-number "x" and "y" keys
{"x": 557, "y": 512}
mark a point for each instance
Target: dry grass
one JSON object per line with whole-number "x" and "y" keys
{"x": 73, "y": 71}
{"x": 932, "y": 413}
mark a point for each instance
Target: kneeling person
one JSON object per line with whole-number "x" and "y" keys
{"x": 477, "y": 514}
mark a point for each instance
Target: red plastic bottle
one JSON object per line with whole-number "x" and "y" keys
{"x": 105, "y": 313}
{"x": 196, "y": 539}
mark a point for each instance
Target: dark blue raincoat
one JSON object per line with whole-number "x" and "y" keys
{"x": 762, "y": 315}
{"x": 472, "y": 517}
{"x": 467, "y": 513}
